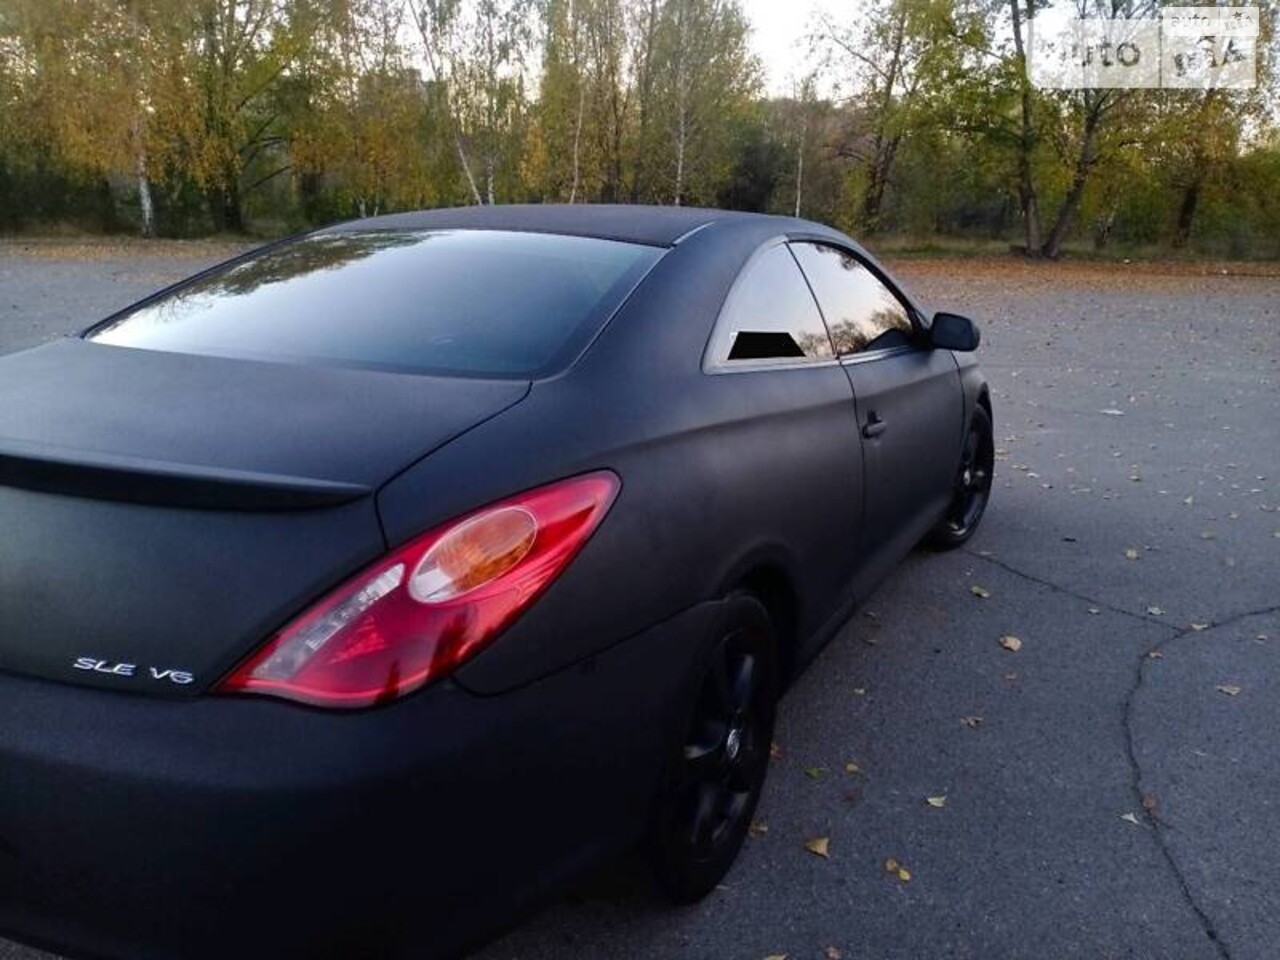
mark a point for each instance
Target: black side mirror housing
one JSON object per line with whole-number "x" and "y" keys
{"x": 950, "y": 331}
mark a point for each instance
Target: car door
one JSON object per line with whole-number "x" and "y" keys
{"x": 785, "y": 434}
{"x": 907, "y": 400}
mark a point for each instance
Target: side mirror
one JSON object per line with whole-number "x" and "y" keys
{"x": 950, "y": 331}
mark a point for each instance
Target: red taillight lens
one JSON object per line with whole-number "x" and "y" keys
{"x": 428, "y": 606}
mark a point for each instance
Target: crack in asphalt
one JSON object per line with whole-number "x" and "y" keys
{"x": 1158, "y": 826}
{"x": 1176, "y": 633}
{"x": 1058, "y": 588}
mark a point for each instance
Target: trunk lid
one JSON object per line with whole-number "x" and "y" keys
{"x": 164, "y": 513}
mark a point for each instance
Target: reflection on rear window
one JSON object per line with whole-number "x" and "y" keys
{"x": 476, "y": 303}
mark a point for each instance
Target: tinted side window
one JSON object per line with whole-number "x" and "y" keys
{"x": 861, "y": 312}
{"x": 770, "y": 315}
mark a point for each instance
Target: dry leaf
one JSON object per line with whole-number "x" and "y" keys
{"x": 1155, "y": 655}
{"x": 1132, "y": 818}
{"x": 832, "y": 953}
{"x": 1230, "y": 689}
{"x": 1131, "y": 554}
{"x": 1197, "y": 627}
{"x": 939, "y": 802}
{"x": 819, "y": 847}
{"x": 1208, "y": 535}
{"x": 1011, "y": 643}
{"x": 1011, "y": 676}
{"x": 815, "y": 773}
{"x": 980, "y": 592}
{"x": 892, "y": 866}
{"x": 1155, "y": 611}
{"x": 776, "y": 956}
{"x": 1149, "y": 803}
{"x": 852, "y": 767}
{"x": 1095, "y": 611}
{"x": 860, "y": 691}
{"x": 757, "y": 829}
{"x": 775, "y": 751}
{"x": 973, "y": 723}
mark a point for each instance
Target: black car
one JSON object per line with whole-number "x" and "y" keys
{"x": 360, "y": 591}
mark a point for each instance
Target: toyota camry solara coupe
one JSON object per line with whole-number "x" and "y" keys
{"x": 359, "y": 592}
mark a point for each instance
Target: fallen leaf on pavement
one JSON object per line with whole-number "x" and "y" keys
{"x": 1230, "y": 689}
{"x": 1155, "y": 655}
{"x": 938, "y": 802}
{"x": 1131, "y": 554}
{"x": 1197, "y": 627}
{"x": 815, "y": 773}
{"x": 776, "y": 956}
{"x": 852, "y": 767}
{"x": 1155, "y": 611}
{"x": 775, "y": 751}
{"x": 1131, "y": 818}
{"x": 1095, "y": 611}
{"x": 819, "y": 847}
{"x": 1149, "y": 803}
{"x": 981, "y": 593}
{"x": 897, "y": 869}
{"x": 832, "y": 953}
{"x": 973, "y": 723}
{"x": 1011, "y": 643}
{"x": 757, "y": 829}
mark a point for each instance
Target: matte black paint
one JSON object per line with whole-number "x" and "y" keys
{"x": 139, "y": 825}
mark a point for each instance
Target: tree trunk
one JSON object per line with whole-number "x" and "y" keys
{"x": 145, "y": 203}
{"x": 433, "y": 63}
{"x": 577, "y": 140}
{"x": 1079, "y": 177}
{"x": 224, "y": 206}
{"x": 1187, "y": 213}
{"x": 1027, "y": 198}
{"x": 800, "y": 167}
{"x": 639, "y": 175}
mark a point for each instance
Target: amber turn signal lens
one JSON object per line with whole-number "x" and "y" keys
{"x": 473, "y": 554}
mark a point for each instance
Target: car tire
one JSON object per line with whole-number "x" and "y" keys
{"x": 717, "y": 764}
{"x": 972, "y": 488}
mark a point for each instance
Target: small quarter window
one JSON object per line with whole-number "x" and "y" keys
{"x": 861, "y": 312}
{"x": 770, "y": 316}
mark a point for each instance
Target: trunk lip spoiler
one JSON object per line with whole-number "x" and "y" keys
{"x": 99, "y": 475}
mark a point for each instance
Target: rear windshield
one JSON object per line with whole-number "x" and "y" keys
{"x": 462, "y": 302}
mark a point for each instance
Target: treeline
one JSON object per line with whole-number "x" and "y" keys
{"x": 912, "y": 117}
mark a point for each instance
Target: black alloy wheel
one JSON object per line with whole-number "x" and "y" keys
{"x": 972, "y": 489}
{"x": 715, "y": 777}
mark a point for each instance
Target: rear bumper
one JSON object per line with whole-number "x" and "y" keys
{"x": 134, "y": 827}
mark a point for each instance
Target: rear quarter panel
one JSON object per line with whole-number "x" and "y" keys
{"x": 720, "y": 473}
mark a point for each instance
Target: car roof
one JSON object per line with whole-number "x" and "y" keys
{"x": 654, "y": 226}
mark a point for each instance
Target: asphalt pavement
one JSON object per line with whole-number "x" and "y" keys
{"x": 1109, "y": 788}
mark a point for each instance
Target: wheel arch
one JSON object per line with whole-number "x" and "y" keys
{"x": 767, "y": 576}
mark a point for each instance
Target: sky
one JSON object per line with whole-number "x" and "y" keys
{"x": 779, "y": 28}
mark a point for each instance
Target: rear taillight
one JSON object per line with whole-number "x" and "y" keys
{"x": 428, "y": 606}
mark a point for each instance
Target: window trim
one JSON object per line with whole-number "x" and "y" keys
{"x": 712, "y": 366}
